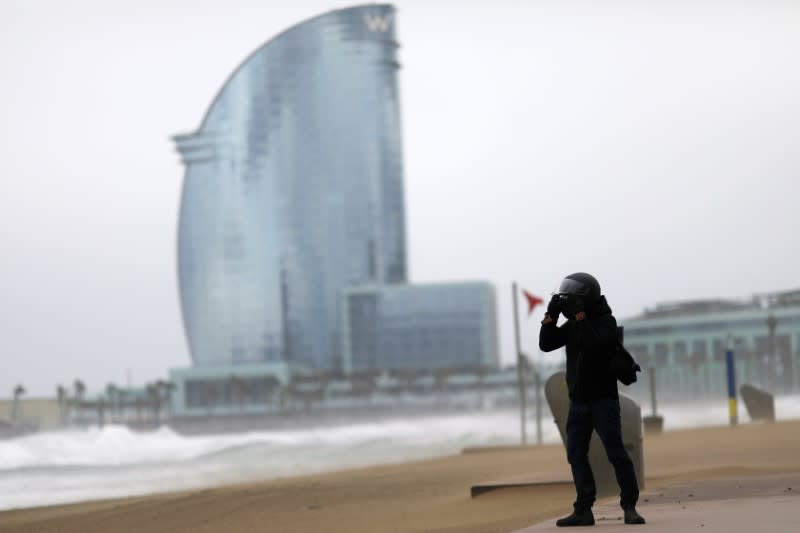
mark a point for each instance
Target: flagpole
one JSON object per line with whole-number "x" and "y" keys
{"x": 520, "y": 370}
{"x": 537, "y": 376}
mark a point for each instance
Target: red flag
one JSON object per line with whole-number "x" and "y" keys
{"x": 533, "y": 301}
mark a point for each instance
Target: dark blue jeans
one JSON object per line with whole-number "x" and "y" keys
{"x": 602, "y": 416}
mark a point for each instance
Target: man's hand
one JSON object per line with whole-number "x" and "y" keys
{"x": 553, "y": 309}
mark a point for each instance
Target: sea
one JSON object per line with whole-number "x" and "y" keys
{"x": 114, "y": 461}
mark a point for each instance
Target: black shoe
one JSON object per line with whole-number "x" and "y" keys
{"x": 632, "y": 517}
{"x": 577, "y": 518}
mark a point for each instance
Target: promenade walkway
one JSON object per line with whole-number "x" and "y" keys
{"x": 753, "y": 504}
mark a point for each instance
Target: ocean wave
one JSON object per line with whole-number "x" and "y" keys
{"x": 114, "y": 461}
{"x": 116, "y": 445}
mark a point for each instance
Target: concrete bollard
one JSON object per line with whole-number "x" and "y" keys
{"x": 557, "y": 397}
{"x": 759, "y": 403}
{"x": 653, "y": 424}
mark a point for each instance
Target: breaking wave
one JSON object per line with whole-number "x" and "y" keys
{"x": 114, "y": 461}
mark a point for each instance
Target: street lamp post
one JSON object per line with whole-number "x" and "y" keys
{"x": 520, "y": 368}
{"x": 772, "y": 324}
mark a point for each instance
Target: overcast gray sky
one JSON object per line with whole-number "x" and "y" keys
{"x": 655, "y": 144}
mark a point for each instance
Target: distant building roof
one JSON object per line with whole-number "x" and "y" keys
{"x": 702, "y": 307}
{"x": 782, "y": 299}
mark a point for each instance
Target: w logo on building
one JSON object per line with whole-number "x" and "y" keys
{"x": 377, "y": 23}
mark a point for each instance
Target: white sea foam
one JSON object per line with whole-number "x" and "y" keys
{"x": 69, "y": 466}
{"x": 114, "y": 461}
{"x": 697, "y": 414}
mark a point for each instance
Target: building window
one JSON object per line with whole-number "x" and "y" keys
{"x": 680, "y": 352}
{"x": 720, "y": 346}
{"x": 661, "y": 352}
{"x": 699, "y": 351}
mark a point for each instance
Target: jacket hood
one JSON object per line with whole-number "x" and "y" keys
{"x": 598, "y": 308}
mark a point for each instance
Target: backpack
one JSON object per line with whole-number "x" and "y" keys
{"x": 623, "y": 364}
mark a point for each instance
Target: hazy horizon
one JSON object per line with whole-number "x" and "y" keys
{"x": 654, "y": 144}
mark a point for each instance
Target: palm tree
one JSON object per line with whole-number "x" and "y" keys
{"x": 138, "y": 402}
{"x": 122, "y": 404}
{"x": 61, "y": 394}
{"x": 113, "y": 400}
{"x": 168, "y": 389}
{"x": 80, "y": 390}
{"x": 154, "y": 398}
{"x": 19, "y": 390}
{"x": 100, "y": 405}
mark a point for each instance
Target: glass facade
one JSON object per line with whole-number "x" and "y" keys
{"x": 293, "y": 191}
{"x": 420, "y": 327}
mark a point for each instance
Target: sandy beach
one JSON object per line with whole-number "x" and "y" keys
{"x": 424, "y": 496}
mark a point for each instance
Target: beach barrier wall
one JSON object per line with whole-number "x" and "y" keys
{"x": 759, "y": 403}
{"x": 631, "y": 413}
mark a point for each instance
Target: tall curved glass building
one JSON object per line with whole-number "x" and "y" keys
{"x": 293, "y": 192}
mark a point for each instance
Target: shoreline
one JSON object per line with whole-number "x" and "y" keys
{"x": 423, "y": 495}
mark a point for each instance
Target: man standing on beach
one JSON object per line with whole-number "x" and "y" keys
{"x": 590, "y": 335}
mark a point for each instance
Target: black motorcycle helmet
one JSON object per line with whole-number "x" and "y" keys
{"x": 579, "y": 285}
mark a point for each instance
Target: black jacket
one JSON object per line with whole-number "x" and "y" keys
{"x": 589, "y": 343}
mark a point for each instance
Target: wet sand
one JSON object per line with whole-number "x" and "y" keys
{"x": 426, "y": 496}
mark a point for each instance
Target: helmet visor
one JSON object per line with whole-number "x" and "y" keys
{"x": 570, "y": 286}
